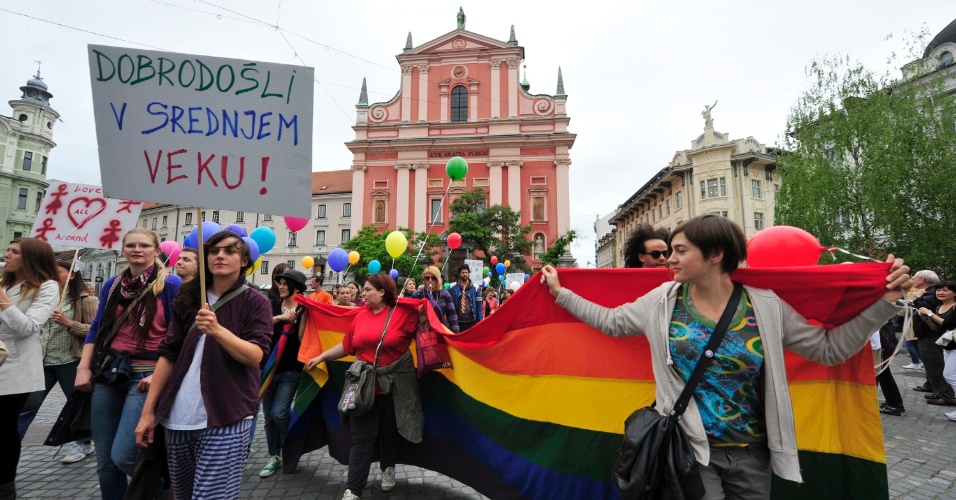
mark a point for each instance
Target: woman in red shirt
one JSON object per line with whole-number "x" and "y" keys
{"x": 397, "y": 409}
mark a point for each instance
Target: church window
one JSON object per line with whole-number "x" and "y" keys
{"x": 945, "y": 59}
{"x": 459, "y": 104}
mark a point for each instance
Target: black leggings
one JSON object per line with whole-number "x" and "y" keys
{"x": 10, "y": 406}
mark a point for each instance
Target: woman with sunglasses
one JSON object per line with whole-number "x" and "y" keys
{"x": 740, "y": 421}
{"x": 28, "y": 295}
{"x": 439, "y": 297}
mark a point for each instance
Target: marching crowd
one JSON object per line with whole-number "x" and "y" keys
{"x": 177, "y": 379}
{"x": 167, "y": 373}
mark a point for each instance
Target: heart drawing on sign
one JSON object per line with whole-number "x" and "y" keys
{"x": 81, "y": 210}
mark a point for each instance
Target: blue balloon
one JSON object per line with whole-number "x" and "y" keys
{"x": 338, "y": 259}
{"x": 209, "y": 228}
{"x": 253, "y": 248}
{"x": 265, "y": 237}
{"x": 500, "y": 268}
{"x": 236, "y": 228}
{"x": 374, "y": 267}
{"x": 190, "y": 240}
{"x": 527, "y": 277}
{"x": 393, "y": 274}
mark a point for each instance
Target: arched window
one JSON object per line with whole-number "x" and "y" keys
{"x": 945, "y": 59}
{"x": 459, "y": 104}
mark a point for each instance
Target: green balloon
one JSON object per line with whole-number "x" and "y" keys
{"x": 447, "y": 286}
{"x": 456, "y": 168}
{"x": 486, "y": 271}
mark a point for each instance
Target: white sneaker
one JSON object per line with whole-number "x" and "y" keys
{"x": 388, "y": 479}
{"x": 77, "y": 451}
{"x": 951, "y": 415}
{"x": 914, "y": 366}
{"x": 350, "y": 496}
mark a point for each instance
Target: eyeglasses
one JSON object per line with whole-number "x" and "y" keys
{"x": 656, "y": 254}
{"x": 430, "y": 278}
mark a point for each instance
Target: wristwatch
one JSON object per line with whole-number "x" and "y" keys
{"x": 931, "y": 314}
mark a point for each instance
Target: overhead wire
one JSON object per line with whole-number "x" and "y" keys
{"x": 79, "y": 29}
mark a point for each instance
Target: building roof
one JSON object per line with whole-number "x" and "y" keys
{"x": 947, "y": 35}
{"x": 329, "y": 182}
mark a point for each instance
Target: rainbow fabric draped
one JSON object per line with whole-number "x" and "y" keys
{"x": 535, "y": 404}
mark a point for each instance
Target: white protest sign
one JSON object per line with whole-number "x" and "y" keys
{"x": 209, "y": 131}
{"x": 514, "y": 278}
{"x": 78, "y": 215}
{"x": 476, "y": 268}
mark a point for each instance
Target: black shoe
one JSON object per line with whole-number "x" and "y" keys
{"x": 921, "y": 388}
{"x": 890, "y": 410}
{"x": 931, "y": 396}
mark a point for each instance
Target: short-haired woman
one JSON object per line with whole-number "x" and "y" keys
{"x": 397, "y": 411}
{"x": 206, "y": 385}
{"x": 28, "y": 295}
{"x": 745, "y": 412}
{"x": 130, "y": 322}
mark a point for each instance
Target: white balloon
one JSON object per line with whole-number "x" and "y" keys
{"x": 514, "y": 286}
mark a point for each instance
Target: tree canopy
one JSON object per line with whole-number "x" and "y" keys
{"x": 870, "y": 163}
{"x": 557, "y": 249}
{"x": 494, "y": 230}
{"x": 370, "y": 244}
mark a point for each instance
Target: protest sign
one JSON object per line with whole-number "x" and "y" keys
{"x": 79, "y": 215}
{"x": 514, "y": 278}
{"x": 197, "y": 130}
{"x": 475, "y": 268}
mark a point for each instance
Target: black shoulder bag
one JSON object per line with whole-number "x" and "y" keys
{"x": 657, "y": 458}
{"x": 358, "y": 395}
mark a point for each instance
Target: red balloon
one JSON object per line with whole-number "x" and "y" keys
{"x": 783, "y": 246}
{"x": 494, "y": 259}
{"x": 454, "y": 240}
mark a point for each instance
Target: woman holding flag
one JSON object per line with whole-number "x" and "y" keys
{"x": 206, "y": 384}
{"x": 280, "y": 377}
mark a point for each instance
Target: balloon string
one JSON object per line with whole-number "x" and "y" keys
{"x": 837, "y": 249}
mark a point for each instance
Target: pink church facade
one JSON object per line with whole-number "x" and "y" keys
{"x": 460, "y": 95}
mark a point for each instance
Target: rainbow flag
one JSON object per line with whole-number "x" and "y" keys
{"x": 535, "y": 404}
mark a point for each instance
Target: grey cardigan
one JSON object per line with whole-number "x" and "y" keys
{"x": 399, "y": 379}
{"x": 781, "y": 327}
{"x": 20, "y": 328}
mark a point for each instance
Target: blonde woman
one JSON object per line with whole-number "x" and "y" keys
{"x": 131, "y": 321}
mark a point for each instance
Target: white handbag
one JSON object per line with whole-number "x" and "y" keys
{"x": 945, "y": 338}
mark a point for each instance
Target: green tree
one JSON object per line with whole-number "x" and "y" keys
{"x": 370, "y": 244}
{"x": 494, "y": 230}
{"x": 557, "y": 249}
{"x": 871, "y": 163}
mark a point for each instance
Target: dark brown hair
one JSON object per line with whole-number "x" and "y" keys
{"x": 713, "y": 234}
{"x": 188, "y": 296}
{"x": 636, "y": 246}
{"x": 39, "y": 266}
{"x": 75, "y": 285}
{"x": 384, "y": 283}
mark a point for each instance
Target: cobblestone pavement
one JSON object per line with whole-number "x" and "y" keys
{"x": 920, "y": 456}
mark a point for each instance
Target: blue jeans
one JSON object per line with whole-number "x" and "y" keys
{"x": 115, "y": 410}
{"x": 913, "y": 351}
{"x": 65, "y": 375}
{"x": 277, "y": 409}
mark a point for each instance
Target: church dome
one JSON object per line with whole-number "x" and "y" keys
{"x": 947, "y": 35}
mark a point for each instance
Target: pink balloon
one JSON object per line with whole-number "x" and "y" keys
{"x": 172, "y": 249}
{"x": 454, "y": 240}
{"x": 295, "y": 223}
{"x": 783, "y": 246}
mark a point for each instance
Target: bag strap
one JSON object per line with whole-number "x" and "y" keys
{"x": 222, "y": 301}
{"x": 114, "y": 329}
{"x": 707, "y": 357}
{"x": 381, "y": 341}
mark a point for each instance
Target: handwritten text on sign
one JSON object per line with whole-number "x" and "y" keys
{"x": 197, "y": 130}
{"x": 78, "y": 215}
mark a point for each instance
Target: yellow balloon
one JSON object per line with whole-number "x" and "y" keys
{"x": 507, "y": 263}
{"x": 396, "y": 244}
{"x": 354, "y": 257}
{"x": 308, "y": 262}
{"x": 255, "y": 267}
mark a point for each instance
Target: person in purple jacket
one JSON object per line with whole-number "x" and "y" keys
{"x": 206, "y": 384}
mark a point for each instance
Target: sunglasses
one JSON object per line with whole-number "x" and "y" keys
{"x": 430, "y": 278}
{"x": 656, "y": 254}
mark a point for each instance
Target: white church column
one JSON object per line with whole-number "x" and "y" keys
{"x": 514, "y": 185}
{"x": 421, "y": 199}
{"x": 402, "y": 206}
{"x": 561, "y": 167}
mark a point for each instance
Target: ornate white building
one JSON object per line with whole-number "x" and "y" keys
{"x": 26, "y": 138}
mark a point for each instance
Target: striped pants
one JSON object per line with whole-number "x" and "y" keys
{"x": 207, "y": 463}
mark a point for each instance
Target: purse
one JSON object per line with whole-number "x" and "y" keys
{"x": 106, "y": 365}
{"x": 358, "y": 394}
{"x": 657, "y": 458}
{"x": 431, "y": 349}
